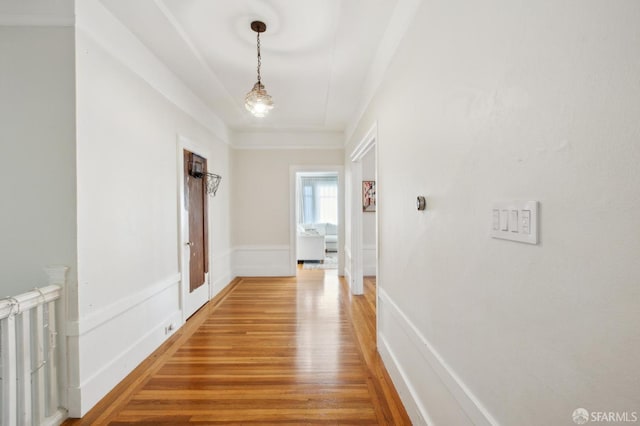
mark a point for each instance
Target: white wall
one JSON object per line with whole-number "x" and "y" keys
{"x": 37, "y": 155}
{"x": 261, "y": 206}
{"x": 130, "y": 113}
{"x": 511, "y": 100}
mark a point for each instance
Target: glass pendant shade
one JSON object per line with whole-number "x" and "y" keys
{"x": 258, "y": 102}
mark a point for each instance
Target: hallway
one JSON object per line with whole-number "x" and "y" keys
{"x": 267, "y": 350}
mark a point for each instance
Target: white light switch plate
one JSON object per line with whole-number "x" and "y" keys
{"x": 518, "y": 221}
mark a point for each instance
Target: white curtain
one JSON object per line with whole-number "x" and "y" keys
{"x": 318, "y": 199}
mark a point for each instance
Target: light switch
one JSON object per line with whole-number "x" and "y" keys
{"x": 526, "y": 222}
{"x": 513, "y": 221}
{"x": 504, "y": 220}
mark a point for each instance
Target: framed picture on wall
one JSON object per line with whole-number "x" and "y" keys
{"x": 369, "y": 196}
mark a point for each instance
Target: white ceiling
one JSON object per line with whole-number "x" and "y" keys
{"x": 316, "y": 55}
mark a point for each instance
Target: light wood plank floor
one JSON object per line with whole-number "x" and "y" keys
{"x": 266, "y": 351}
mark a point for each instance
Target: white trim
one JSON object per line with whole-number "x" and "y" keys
{"x": 293, "y": 232}
{"x": 190, "y": 301}
{"x": 347, "y": 262}
{"x": 57, "y": 275}
{"x": 255, "y": 247}
{"x": 83, "y": 396}
{"x": 277, "y": 147}
{"x": 467, "y": 401}
{"x": 221, "y": 271}
{"x": 36, "y": 21}
{"x": 29, "y": 300}
{"x": 96, "y": 319}
{"x": 368, "y": 141}
{"x": 128, "y": 349}
{"x": 56, "y": 418}
{"x": 161, "y": 5}
{"x": 416, "y": 411}
{"x": 98, "y": 24}
{"x": 356, "y": 268}
{"x": 275, "y": 139}
{"x": 221, "y": 254}
{"x": 220, "y": 283}
{"x": 291, "y": 128}
{"x": 261, "y": 261}
{"x": 403, "y": 15}
{"x": 356, "y": 284}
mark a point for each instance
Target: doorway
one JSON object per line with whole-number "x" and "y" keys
{"x": 362, "y": 256}
{"x": 317, "y": 217}
{"x": 194, "y": 227}
{"x": 317, "y": 220}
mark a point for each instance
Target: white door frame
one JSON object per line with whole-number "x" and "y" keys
{"x": 293, "y": 231}
{"x": 356, "y": 269}
{"x": 189, "y": 301}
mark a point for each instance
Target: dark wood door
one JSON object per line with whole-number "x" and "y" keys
{"x": 195, "y": 169}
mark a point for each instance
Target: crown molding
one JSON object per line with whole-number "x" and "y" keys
{"x": 403, "y": 15}
{"x": 291, "y": 139}
{"x": 101, "y": 26}
{"x": 287, "y": 147}
{"x": 191, "y": 46}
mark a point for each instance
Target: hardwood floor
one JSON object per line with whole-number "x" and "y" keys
{"x": 295, "y": 350}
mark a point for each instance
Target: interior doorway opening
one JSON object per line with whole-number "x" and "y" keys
{"x": 317, "y": 220}
{"x": 317, "y": 217}
{"x": 362, "y": 253}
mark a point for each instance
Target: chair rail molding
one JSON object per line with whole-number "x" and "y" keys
{"x": 401, "y": 343}
{"x": 261, "y": 261}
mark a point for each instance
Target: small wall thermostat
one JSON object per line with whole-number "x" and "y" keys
{"x": 421, "y": 203}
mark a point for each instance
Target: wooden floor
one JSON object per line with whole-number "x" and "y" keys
{"x": 265, "y": 351}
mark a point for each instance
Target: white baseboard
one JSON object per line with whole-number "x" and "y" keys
{"x": 347, "y": 273}
{"x": 261, "y": 261}
{"x": 220, "y": 283}
{"x": 221, "y": 271}
{"x": 429, "y": 388}
{"x": 56, "y": 418}
{"x": 117, "y": 340}
{"x": 417, "y": 414}
{"x": 94, "y": 388}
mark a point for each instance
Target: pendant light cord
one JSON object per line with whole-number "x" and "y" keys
{"x": 259, "y": 58}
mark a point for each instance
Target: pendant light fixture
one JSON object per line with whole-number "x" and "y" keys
{"x": 258, "y": 101}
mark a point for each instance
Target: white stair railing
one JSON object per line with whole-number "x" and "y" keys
{"x": 29, "y": 357}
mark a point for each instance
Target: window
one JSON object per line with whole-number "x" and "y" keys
{"x": 318, "y": 199}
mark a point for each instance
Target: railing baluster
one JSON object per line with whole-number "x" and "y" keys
{"x": 52, "y": 362}
{"x": 38, "y": 370}
{"x": 9, "y": 391}
{"x": 29, "y": 393}
{"x": 23, "y": 361}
